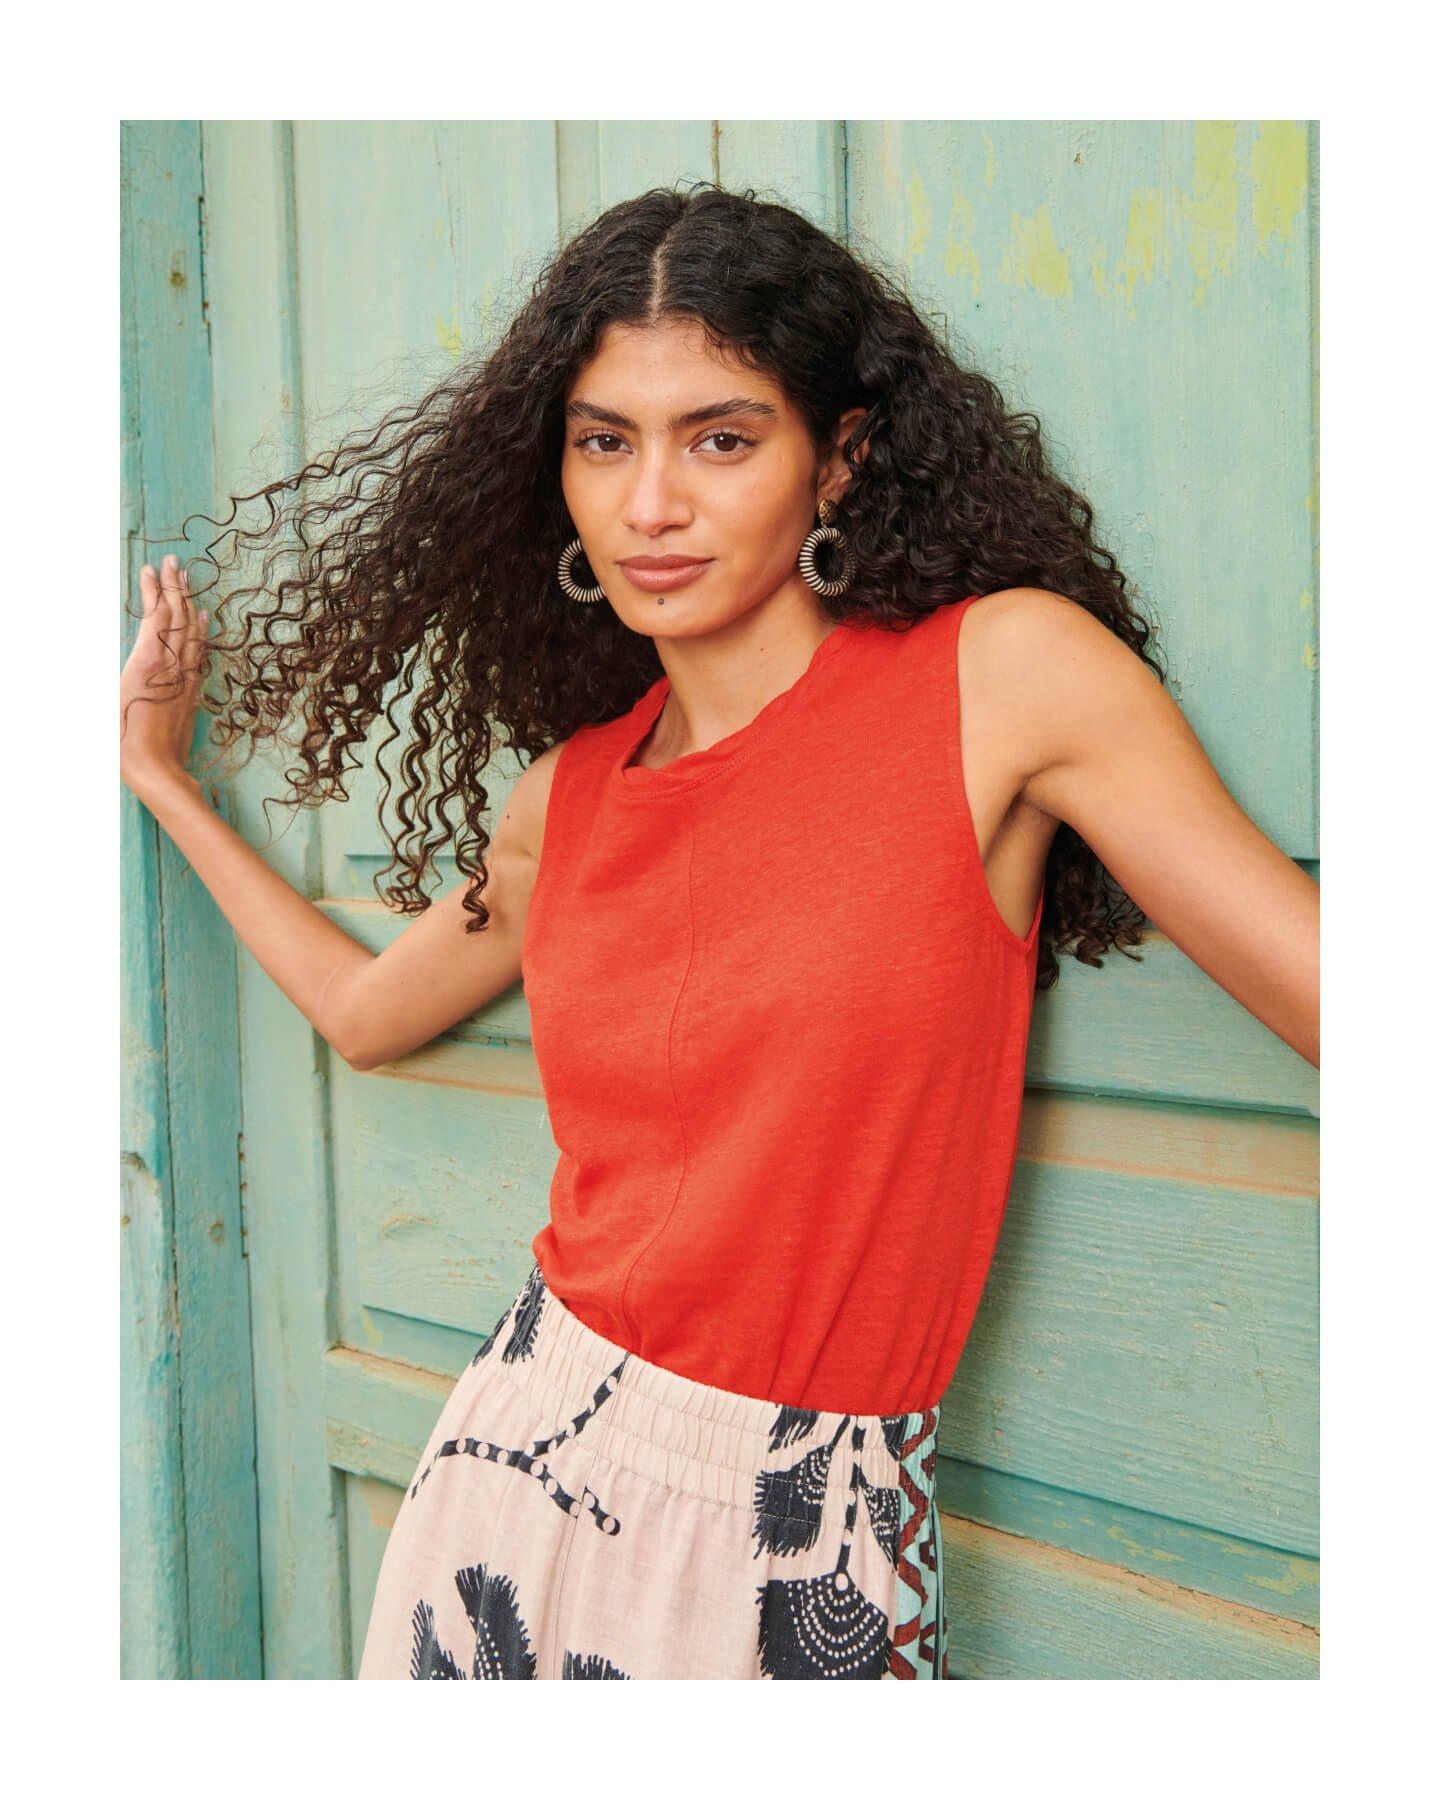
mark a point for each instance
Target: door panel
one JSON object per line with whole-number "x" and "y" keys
{"x": 1134, "y": 1423}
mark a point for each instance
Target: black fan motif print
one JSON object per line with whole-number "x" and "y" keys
{"x": 521, "y": 1341}
{"x": 502, "y": 1641}
{"x": 590, "y": 1668}
{"x": 821, "y": 1627}
{"x": 883, "y": 1506}
{"x": 525, "y": 1309}
{"x": 789, "y": 1504}
{"x": 791, "y": 1424}
{"x": 893, "y": 1428}
{"x": 428, "y": 1660}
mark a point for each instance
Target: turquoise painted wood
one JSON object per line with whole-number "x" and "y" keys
{"x": 1129, "y": 1465}
{"x": 1148, "y": 288}
{"x": 254, "y": 310}
{"x": 190, "y": 1592}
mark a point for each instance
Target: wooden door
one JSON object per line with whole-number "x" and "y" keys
{"x": 1130, "y": 1446}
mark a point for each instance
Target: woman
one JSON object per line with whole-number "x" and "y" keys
{"x": 789, "y": 856}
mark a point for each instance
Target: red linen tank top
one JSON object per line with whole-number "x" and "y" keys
{"x": 781, "y": 1029}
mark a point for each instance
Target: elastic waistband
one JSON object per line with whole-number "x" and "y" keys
{"x": 685, "y": 1433}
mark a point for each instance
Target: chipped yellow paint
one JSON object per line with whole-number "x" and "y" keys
{"x": 448, "y": 336}
{"x": 1212, "y": 207}
{"x": 1147, "y": 245}
{"x": 1301, "y": 1576}
{"x": 1280, "y": 169}
{"x": 922, "y": 219}
{"x": 1097, "y": 269}
{"x": 1034, "y": 258}
{"x": 1306, "y": 599}
{"x": 1152, "y": 1551}
{"x": 961, "y": 256}
{"x": 375, "y": 1339}
{"x": 1307, "y": 655}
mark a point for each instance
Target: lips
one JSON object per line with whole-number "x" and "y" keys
{"x": 662, "y": 562}
{"x": 661, "y": 574}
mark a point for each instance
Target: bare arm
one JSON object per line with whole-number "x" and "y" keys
{"x": 1118, "y": 761}
{"x": 434, "y": 974}
{"x": 370, "y": 1008}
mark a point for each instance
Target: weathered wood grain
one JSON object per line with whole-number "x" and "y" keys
{"x": 1021, "y": 1611}
{"x": 190, "y": 1591}
{"x": 254, "y": 305}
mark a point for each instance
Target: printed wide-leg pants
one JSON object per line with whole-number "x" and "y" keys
{"x": 580, "y": 1514}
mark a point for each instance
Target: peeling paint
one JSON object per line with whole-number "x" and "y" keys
{"x": 447, "y": 335}
{"x": 1212, "y": 207}
{"x": 1279, "y": 168}
{"x": 1147, "y": 245}
{"x": 1034, "y": 258}
{"x": 989, "y": 159}
{"x": 961, "y": 256}
{"x": 1300, "y": 1577}
{"x": 1307, "y": 656}
{"x": 1152, "y": 1551}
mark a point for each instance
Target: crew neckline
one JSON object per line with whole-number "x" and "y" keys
{"x": 682, "y": 773}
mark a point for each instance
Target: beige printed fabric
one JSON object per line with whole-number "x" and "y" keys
{"x": 580, "y": 1514}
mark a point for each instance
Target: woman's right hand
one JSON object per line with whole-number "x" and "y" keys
{"x": 160, "y": 683}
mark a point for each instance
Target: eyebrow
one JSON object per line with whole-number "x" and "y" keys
{"x": 740, "y": 406}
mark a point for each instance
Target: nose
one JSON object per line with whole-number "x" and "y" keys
{"x": 656, "y": 497}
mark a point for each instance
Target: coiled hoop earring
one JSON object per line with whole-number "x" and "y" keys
{"x": 826, "y": 533}
{"x": 567, "y": 580}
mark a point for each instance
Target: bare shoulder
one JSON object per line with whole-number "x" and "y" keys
{"x": 1029, "y": 621}
{"x": 1048, "y": 673}
{"x": 522, "y": 823}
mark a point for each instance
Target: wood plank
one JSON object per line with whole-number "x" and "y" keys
{"x": 188, "y": 1298}
{"x": 1153, "y": 1342}
{"x": 1189, "y": 1556}
{"x": 154, "y": 1621}
{"x": 1162, "y": 1029}
{"x": 1020, "y": 1611}
{"x": 800, "y": 162}
{"x": 604, "y": 161}
{"x": 442, "y": 1184}
{"x": 259, "y": 402}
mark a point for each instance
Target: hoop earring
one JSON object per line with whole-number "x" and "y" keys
{"x": 826, "y": 533}
{"x": 567, "y": 580}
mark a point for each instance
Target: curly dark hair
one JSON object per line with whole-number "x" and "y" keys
{"x": 422, "y": 553}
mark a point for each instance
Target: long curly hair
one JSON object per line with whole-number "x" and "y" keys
{"x": 413, "y": 566}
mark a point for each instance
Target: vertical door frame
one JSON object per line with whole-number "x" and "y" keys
{"x": 190, "y": 1577}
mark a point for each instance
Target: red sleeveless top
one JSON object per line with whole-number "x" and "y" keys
{"x": 781, "y": 1028}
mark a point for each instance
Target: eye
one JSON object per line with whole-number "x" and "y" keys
{"x": 592, "y": 437}
{"x": 735, "y": 436}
